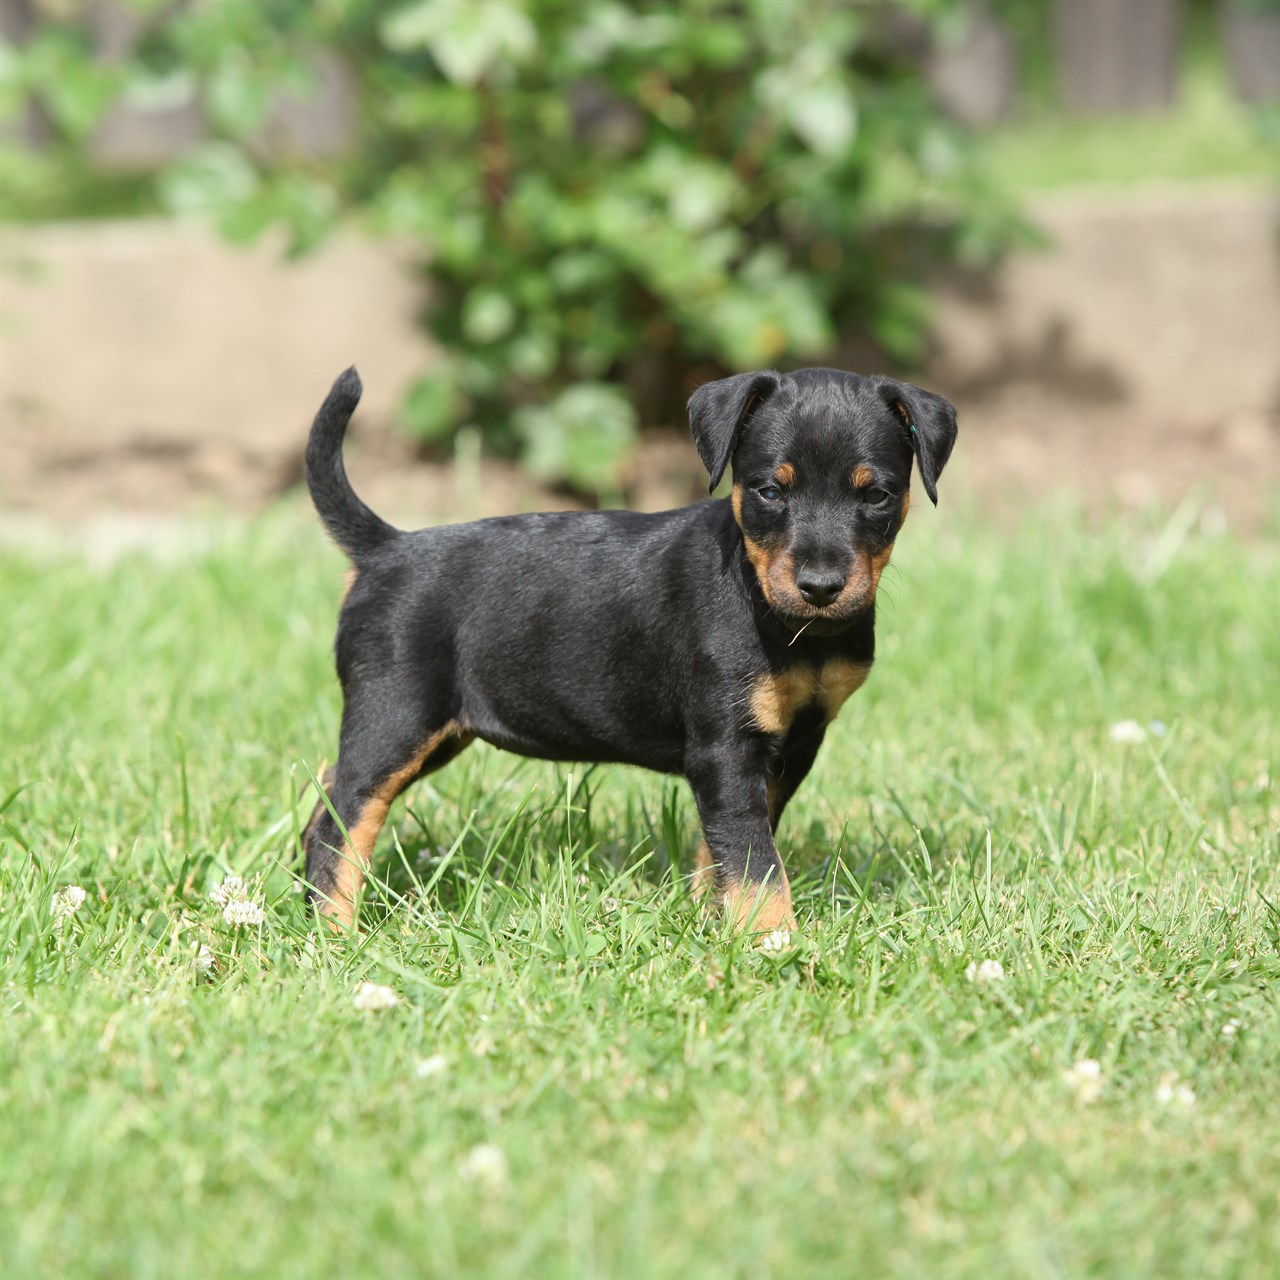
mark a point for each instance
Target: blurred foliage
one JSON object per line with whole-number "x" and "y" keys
{"x": 608, "y": 195}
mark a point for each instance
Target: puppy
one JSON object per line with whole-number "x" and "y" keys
{"x": 717, "y": 642}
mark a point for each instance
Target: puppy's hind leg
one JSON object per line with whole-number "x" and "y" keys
{"x": 376, "y": 762}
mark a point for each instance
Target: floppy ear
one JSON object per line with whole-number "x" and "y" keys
{"x": 931, "y": 423}
{"x": 718, "y": 411}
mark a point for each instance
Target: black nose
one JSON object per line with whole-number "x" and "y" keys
{"x": 819, "y": 588}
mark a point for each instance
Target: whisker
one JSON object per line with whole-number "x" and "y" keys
{"x": 799, "y": 633}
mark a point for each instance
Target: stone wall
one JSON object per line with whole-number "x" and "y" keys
{"x": 1139, "y": 354}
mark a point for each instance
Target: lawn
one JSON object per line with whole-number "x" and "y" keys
{"x": 1206, "y": 134}
{"x": 578, "y": 1075}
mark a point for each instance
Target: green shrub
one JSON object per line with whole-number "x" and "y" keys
{"x": 644, "y": 194}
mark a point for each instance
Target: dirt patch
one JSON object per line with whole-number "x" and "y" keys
{"x": 1013, "y": 457}
{"x": 1122, "y": 459}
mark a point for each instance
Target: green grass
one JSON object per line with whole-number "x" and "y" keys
{"x": 1208, "y": 134}
{"x": 667, "y": 1101}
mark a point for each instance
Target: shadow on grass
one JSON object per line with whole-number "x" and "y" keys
{"x": 505, "y": 836}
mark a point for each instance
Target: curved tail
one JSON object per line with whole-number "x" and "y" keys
{"x": 351, "y": 524}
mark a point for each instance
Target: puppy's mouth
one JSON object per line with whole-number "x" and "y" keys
{"x": 783, "y": 595}
{"x": 805, "y": 620}
{"x": 818, "y": 625}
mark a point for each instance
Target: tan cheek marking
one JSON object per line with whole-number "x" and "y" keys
{"x": 776, "y": 697}
{"x": 861, "y": 477}
{"x": 906, "y": 506}
{"x": 837, "y": 681}
{"x": 865, "y": 577}
{"x": 363, "y": 835}
{"x": 762, "y": 907}
{"x": 755, "y": 552}
{"x": 761, "y": 559}
{"x": 878, "y": 562}
{"x": 785, "y": 474}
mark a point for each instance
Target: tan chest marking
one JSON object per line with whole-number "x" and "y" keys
{"x": 778, "y": 697}
{"x": 837, "y": 681}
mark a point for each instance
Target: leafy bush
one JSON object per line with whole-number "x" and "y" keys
{"x": 606, "y": 193}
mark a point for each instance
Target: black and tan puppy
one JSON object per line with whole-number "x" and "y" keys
{"x": 716, "y": 642}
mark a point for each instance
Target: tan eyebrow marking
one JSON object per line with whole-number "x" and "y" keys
{"x": 785, "y": 473}
{"x": 862, "y": 476}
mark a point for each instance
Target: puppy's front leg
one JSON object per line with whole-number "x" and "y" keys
{"x": 731, "y": 786}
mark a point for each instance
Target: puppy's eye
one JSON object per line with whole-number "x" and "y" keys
{"x": 770, "y": 492}
{"x": 876, "y": 497}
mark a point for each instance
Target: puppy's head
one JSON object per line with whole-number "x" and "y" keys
{"x": 821, "y": 473}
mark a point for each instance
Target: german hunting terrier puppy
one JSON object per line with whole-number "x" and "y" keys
{"x": 717, "y": 642}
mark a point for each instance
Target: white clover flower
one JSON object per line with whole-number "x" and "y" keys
{"x": 372, "y": 998}
{"x": 1085, "y": 1078}
{"x": 609, "y": 905}
{"x": 987, "y": 971}
{"x": 436, "y": 1065}
{"x": 486, "y": 1165}
{"x": 204, "y": 958}
{"x": 776, "y": 942}
{"x": 1174, "y": 1092}
{"x": 242, "y": 913}
{"x": 67, "y": 902}
{"x": 232, "y": 889}
{"x": 1231, "y": 1029}
{"x": 1128, "y": 731}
